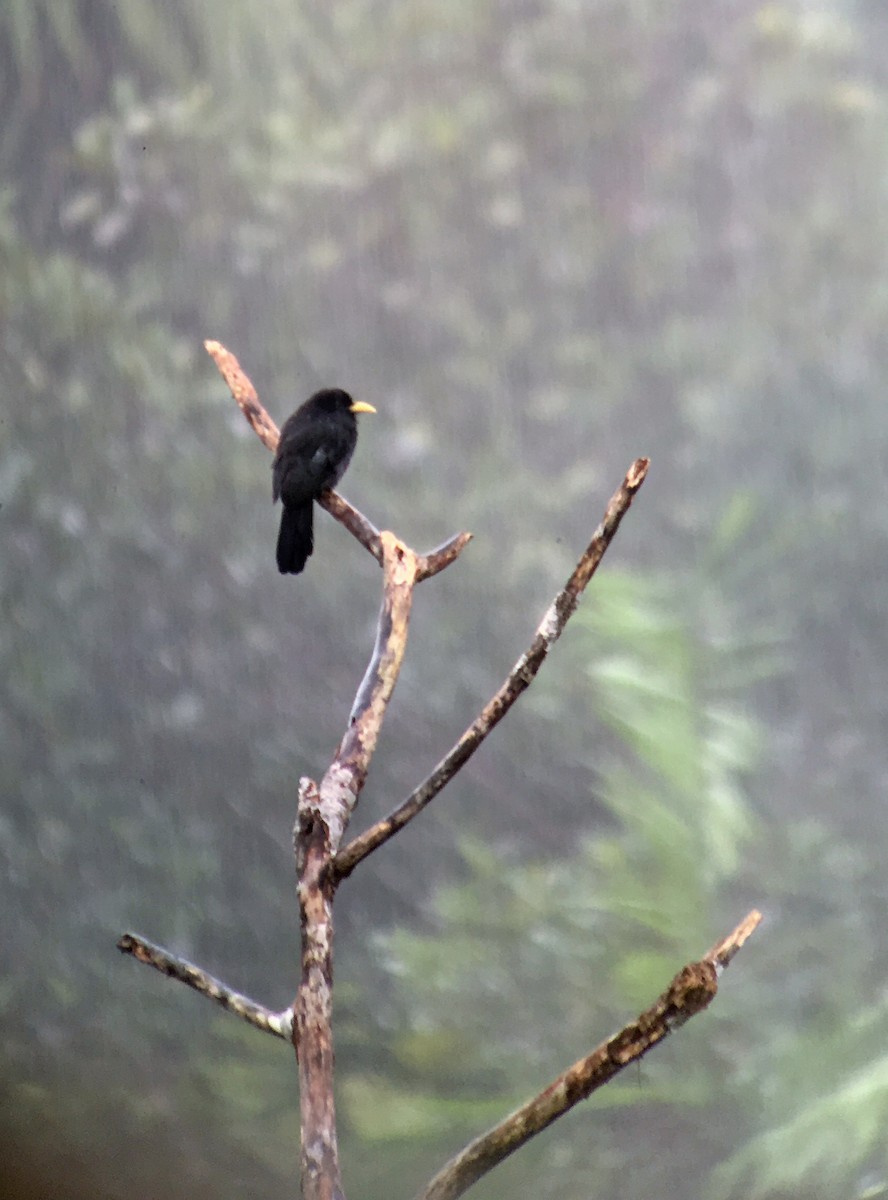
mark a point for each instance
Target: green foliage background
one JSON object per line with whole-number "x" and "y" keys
{"x": 542, "y": 238}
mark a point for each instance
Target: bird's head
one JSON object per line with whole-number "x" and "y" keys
{"x": 336, "y": 400}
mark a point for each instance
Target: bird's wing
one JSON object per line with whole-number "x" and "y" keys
{"x": 309, "y": 459}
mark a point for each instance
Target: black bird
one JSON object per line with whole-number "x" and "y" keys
{"x": 315, "y": 447}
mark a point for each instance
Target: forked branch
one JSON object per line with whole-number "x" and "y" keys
{"x": 517, "y": 681}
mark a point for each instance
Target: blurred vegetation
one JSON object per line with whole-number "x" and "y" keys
{"x": 542, "y": 238}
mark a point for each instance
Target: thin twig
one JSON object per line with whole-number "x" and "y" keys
{"x": 436, "y": 560}
{"x": 722, "y": 952}
{"x": 692, "y": 990}
{"x": 519, "y": 678}
{"x": 278, "y": 1023}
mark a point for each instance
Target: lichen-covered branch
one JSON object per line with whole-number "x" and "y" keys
{"x": 278, "y": 1023}
{"x": 517, "y": 681}
{"x": 692, "y": 990}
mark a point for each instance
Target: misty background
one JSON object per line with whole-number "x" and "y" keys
{"x": 542, "y": 237}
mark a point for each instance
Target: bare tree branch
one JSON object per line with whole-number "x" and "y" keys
{"x": 241, "y": 387}
{"x": 722, "y": 952}
{"x": 436, "y": 560}
{"x": 518, "y": 680}
{"x": 278, "y": 1023}
{"x": 344, "y": 778}
{"x": 692, "y": 990}
{"x": 353, "y": 520}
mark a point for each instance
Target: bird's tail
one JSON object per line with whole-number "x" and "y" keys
{"x": 296, "y": 538}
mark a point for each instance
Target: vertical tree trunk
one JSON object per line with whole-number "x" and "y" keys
{"x": 312, "y": 1025}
